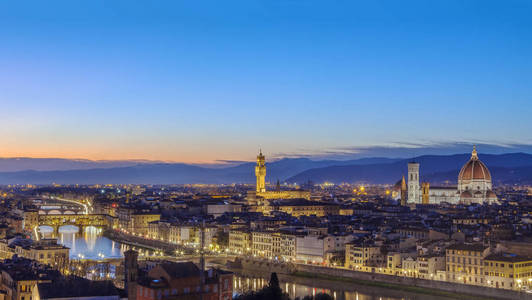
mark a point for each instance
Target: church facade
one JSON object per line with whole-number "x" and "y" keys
{"x": 474, "y": 186}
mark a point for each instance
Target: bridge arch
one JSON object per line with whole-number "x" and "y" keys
{"x": 67, "y": 228}
{"x": 80, "y": 221}
{"x": 45, "y": 229}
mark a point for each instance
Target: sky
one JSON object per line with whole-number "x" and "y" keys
{"x": 206, "y": 81}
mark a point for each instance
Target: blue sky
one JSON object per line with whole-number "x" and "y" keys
{"x": 199, "y": 81}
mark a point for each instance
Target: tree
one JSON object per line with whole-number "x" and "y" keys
{"x": 222, "y": 239}
{"x": 271, "y": 292}
{"x": 274, "y": 286}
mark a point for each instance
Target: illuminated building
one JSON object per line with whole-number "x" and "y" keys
{"x": 260, "y": 173}
{"x": 283, "y": 246}
{"x": 239, "y": 241}
{"x": 508, "y": 271}
{"x": 429, "y": 265}
{"x": 31, "y": 220}
{"x": 464, "y": 263}
{"x": 474, "y": 182}
{"x": 260, "y": 195}
{"x": 474, "y": 186}
{"x": 19, "y": 278}
{"x": 403, "y": 191}
{"x": 139, "y": 222}
{"x": 359, "y": 255}
{"x": 425, "y": 187}
{"x": 262, "y": 243}
{"x": 413, "y": 182}
{"x": 302, "y": 207}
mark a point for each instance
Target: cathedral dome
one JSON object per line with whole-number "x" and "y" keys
{"x": 491, "y": 194}
{"x": 474, "y": 169}
{"x": 466, "y": 194}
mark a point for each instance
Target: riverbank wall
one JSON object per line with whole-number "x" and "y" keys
{"x": 142, "y": 242}
{"x": 374, "y": 279}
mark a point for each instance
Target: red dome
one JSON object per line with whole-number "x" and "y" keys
{"x": 491, "y": 194}
{"x": 474, "y": 169}
{"x": 466, "y": 194}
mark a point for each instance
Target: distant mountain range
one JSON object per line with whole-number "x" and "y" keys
{"x": 444, "y": 169}
{"x": 14, "y": 164}
{"x": 505, "y": 168}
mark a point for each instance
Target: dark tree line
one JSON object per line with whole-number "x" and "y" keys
{"x": 273, "y": 291}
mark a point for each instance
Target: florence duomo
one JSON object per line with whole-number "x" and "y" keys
{"x": 474, "y": 186}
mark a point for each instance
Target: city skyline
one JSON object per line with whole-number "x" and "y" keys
{"x": 265, "y": 149}
{"x": 197, "y": 84}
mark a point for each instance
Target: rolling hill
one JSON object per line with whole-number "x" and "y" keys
{"x": 505, "y": 168}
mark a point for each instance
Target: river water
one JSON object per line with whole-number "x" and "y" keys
{"x": 338, "y": 290}
{"x": 89, "y": 245}
{"x": 92, "y": 245}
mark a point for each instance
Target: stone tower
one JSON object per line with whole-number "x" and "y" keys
{"x": 260, "y": 173}
{"x": 413, "y": 183}
{"x": 404, "y": 191}
{"x": 131, "y": 273}
{"x": 425, "y": 188}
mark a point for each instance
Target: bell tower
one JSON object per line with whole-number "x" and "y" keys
{"x": 260, "y": 173}
{"x": 413, "y": 183}
{"x": 425, "y": 190}
{"x": 404, "y": 191}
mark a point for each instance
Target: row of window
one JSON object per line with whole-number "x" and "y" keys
{"x": 464, "y": 252}
{"x": 469, "y": 260}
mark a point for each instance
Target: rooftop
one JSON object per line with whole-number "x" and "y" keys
{"x": 468, "y": 247}
{"x": 509, "y": 257}
{"x": 70, "y": 287}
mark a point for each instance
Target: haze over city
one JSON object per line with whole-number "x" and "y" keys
{"x": 199, "y": 83}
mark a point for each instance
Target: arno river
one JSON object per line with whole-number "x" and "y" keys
{"x": 339, "y": 290}
{"x": 92, "y": 245}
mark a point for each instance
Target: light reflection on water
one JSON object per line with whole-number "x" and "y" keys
{"x": 92, "y": 243}
{"x": 242, "y": 284}
{"x": 89, "y": 245}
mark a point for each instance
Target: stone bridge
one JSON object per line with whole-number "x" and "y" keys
{"x": 61, "y": 210}
{"x": 81, "y": 221}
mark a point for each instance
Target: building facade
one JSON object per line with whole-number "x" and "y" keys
{"x": 508, "y": 271}
{"x": 465, "y": 263}
{"x": 474, "y": 186}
